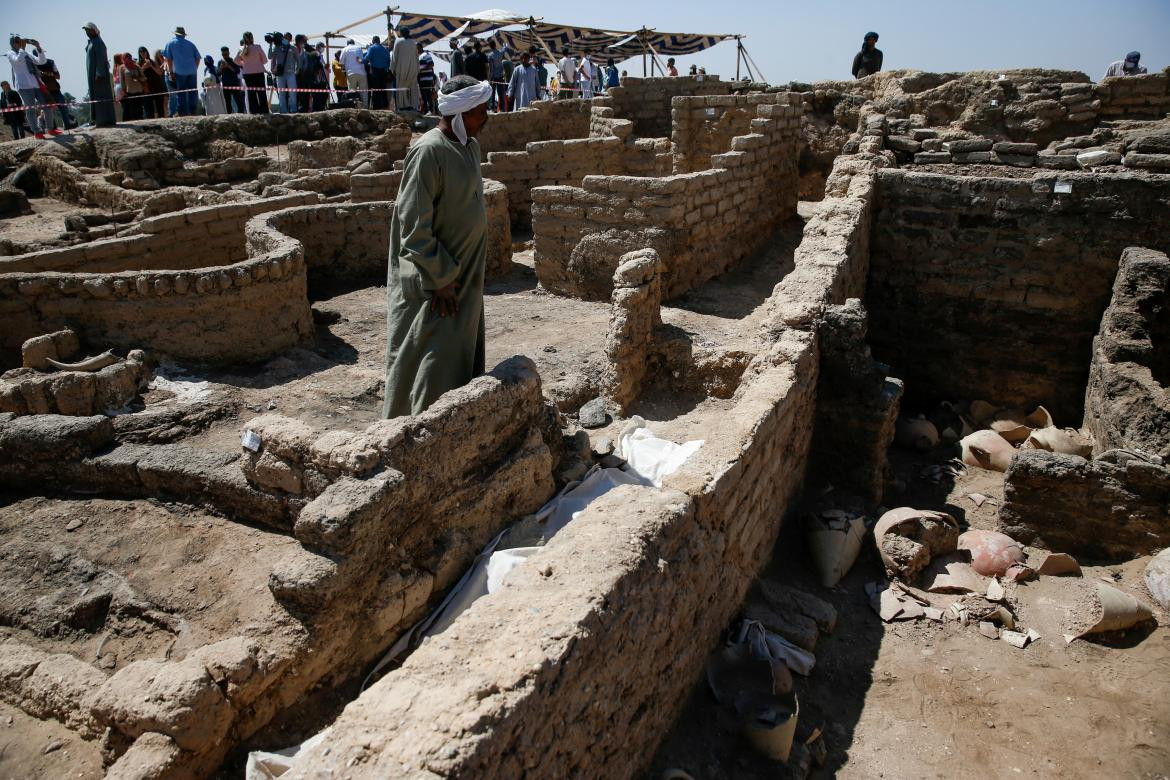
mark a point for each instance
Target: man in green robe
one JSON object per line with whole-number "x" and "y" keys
{"x": 438, "y": 249}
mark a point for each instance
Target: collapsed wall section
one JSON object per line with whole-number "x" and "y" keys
{"x": 1127, "y": 403}
{"x": 700, "y": 223}
{"x": 993, "y": 288}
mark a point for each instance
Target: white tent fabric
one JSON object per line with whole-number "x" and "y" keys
{"x": 649, "y": 461}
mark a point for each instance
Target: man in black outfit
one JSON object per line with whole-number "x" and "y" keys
{"x": 869, "y": 60}
{"x": 477, "y": 63}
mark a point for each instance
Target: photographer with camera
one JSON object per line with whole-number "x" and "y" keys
{"x": 282, "y": 58}
{"x": 26, "y": 76}
{"x": 252, "y": 60}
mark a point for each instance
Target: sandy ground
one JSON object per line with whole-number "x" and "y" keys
{"x": 45, "y": 223}
{"x": 927, "y": 700}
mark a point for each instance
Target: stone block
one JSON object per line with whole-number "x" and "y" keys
{"x": 1009, "y": 147}
{"x": 1060, "y": 162}
{"x": 1017, "y": 160}
{"x": 1149, "y": 162}
{"x": 902, "y": 143}
{"x": 970, "y": 145}
{"x": 932, "y": 158}
{"x": 971, "y": 157}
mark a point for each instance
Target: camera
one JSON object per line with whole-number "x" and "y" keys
{"x": 268, "y": 37}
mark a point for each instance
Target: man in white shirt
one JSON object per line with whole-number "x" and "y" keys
{"x": 567, "y": 76}
{"x": 27, "y": 81}
{"x": 1130, "y": 66}
{"x": 585, "y": 77}
{"x": 355, "y": 70}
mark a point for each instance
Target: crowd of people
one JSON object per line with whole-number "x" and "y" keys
{"x": 290, "y": 75}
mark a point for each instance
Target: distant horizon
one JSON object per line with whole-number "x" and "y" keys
{"x": 799, "y": 42}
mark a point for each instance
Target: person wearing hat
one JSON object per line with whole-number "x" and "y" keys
{"x": 1127, "y": 67}
{"x": 438, "y": 251}
{"x": 183, "y": 64}
{"x": 26, "y": 77}
{"x": 869, "y": 60}
{"x": 97, "y": 73}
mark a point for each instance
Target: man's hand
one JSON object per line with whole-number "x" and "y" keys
{"x": 444, "y": 300}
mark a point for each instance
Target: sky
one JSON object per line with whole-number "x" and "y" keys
{"x": 789, "y": 41}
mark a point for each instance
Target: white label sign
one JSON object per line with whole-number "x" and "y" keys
{"x": 1062, "y": 187}
{"x": 711, "y": 111}
{"x": 251, "y": 441}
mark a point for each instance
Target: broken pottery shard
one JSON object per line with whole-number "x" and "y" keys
{"x": 916, "y": 434}
{"x": 981, "y": 412}
{"x": 1033, "y": 635}
{"x": 953, "y": 575}
{"x": 834, "y": 550}
{"x": 907, "y": 539}
{"x": 988, "y": 629}
{"x": 987, "y": 449}
{"x": 1067, "y": 441}
{"x": 1019, "y": 573}
{"x": 1040, "y": 418}
{"x": 1014, "y": 638}
{"x": 784, "y": 598}
{"x": 977, "y": 498}
{"x": 1158, "y": 578}
{"x": 1117, "y": 611}
{"x": 995, "y": 591}
{"x": 933, "y": 613}
{"x": 991, "y": 552}
{"x": 1058, "y": 563}
{"x": 890, "y": 606}
{"x": 1011, "y": 431}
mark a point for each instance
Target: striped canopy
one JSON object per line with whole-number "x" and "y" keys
{"x": 518, "y": 33}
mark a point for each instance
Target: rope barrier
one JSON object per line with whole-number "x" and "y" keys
{"x": 318, "y": 90}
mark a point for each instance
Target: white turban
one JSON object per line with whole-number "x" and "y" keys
{"x": 453, "y": 104}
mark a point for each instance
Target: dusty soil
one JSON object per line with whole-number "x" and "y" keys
{"x": 922, "y": 699}
{"x": 40, "y": 748}
{"x": 113, "y": 581}
{"x": 45, "y": 223}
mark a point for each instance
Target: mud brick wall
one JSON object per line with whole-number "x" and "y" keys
{"x": 1093, "y": 508}
{"x": 169, "y": 294}
{"x": 1134, "y": 97}
{"x": 545, "y": 163}
{"x": 703, "y": 126}
{"x": 543, "y": 121}
{"x": 994, "y": 288}
{"x": 647, "y": 102}
{"x": 1127, "y": 403}
{"x": 349, "y": 242}
{"x": 578, "y": 671}
{"x": 700, "y": 223}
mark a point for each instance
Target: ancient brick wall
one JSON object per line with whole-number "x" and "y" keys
{"x": 185, "y": 289}
{"x": 647, "y": 102}
{"x": 994, "y": 288}
{"x": 703, "y": 126}
{"x": 1127, "y": 402}
{"x": 575, "y": 668}
{"x": 349, "y": 242}
{"x": 701, "y": 223}
{"x": 1134, "y": 97}
{"x": 543, "y": 121}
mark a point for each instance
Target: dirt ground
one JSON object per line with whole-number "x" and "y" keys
{"x": 923, "y": 699}
{"x": 45, "y": 223}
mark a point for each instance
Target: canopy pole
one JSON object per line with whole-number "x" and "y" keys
{"x": 748, "y": 57}
{"x": 390, "y": 9}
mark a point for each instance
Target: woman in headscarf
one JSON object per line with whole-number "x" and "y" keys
{"x": 133, "y": 85}
{"x": 213, "y": 102}
{"x": 97, "y": 73}
{"x": 156, "y": 88}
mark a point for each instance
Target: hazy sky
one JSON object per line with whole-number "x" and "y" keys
{"x": 804, "y": 41}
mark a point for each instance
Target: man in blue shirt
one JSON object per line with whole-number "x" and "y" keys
{"x": 495, "y": 59}
{"x": 183, "y": 60}
{"x": 378, "y": 59}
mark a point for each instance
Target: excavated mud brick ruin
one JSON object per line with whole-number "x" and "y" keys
{"x": 783, "y": 272}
